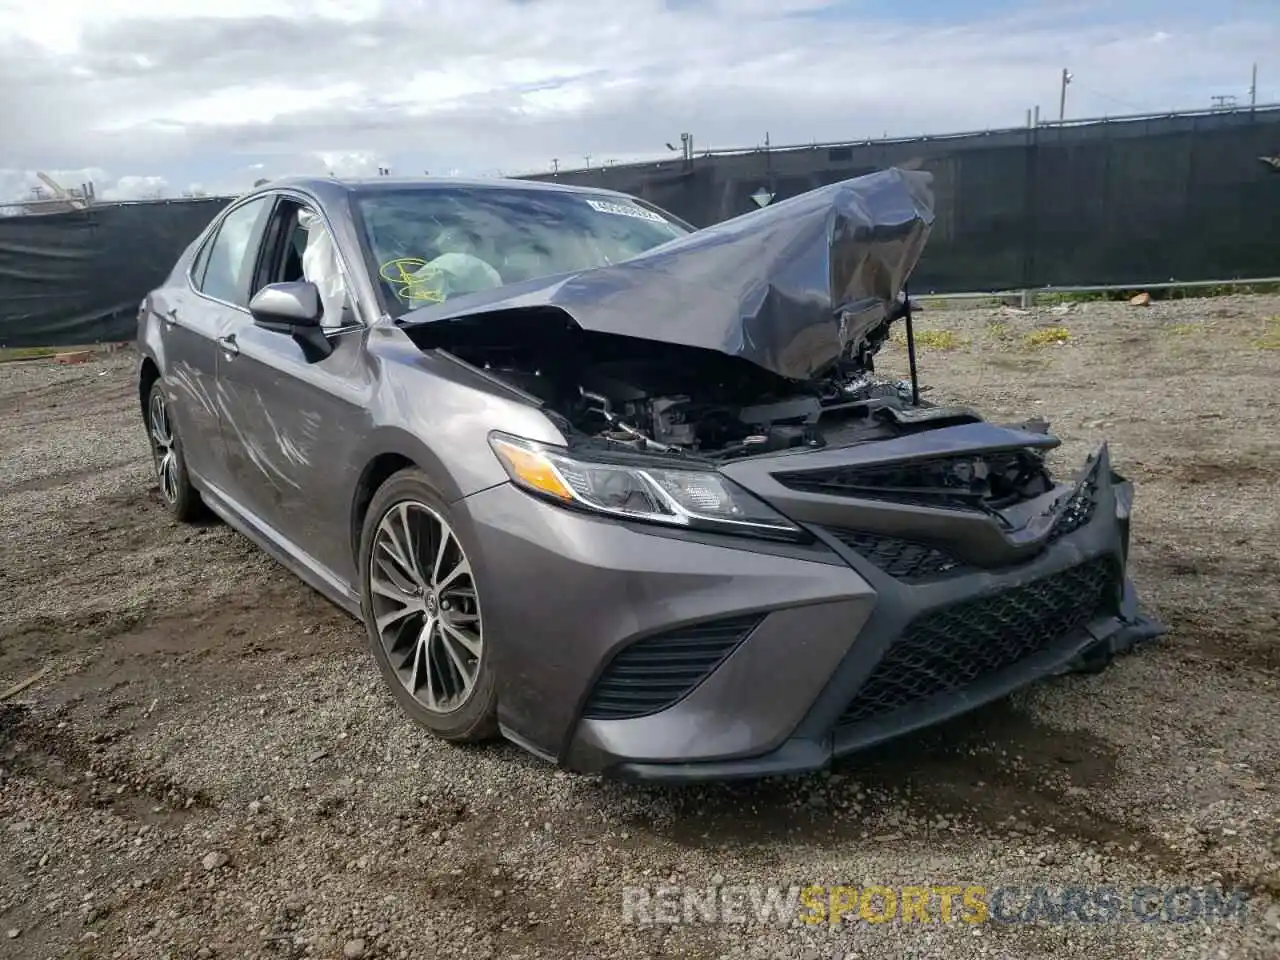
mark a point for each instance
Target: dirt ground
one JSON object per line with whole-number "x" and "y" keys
{"x": 210, "y": 766}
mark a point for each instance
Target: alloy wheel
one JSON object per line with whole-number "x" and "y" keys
{"x": 162, "y": 447}
{"x": 424, "y": 606}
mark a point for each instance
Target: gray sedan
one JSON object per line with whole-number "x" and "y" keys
{"x": 627, "y": 493}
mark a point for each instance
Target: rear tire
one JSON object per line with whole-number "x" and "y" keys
{"x": 421, "y": 607}
{"x": 180, "y": 498}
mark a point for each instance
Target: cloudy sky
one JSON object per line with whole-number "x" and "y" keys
{"x": 160, "y": 96}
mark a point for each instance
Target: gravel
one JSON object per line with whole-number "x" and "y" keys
{"x": 212, "y": 768}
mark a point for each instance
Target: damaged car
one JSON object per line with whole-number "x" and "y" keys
{"x": 629, "y": 494}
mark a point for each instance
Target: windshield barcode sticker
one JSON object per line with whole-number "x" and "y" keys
{"x": 625, "y": 210}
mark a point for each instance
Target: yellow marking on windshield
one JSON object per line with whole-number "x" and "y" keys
{"x": 405, "y": 278}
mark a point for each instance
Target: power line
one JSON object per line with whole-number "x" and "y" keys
{"x": 1116, "y": 100}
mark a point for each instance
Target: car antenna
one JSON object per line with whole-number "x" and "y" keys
{"x": 911, "y": 346}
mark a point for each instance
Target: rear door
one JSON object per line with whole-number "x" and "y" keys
{"x": 193, "y": 316}
{"x": 293, "y": 423}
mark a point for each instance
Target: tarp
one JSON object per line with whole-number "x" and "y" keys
{"x": 1180, "y": 197}
{"x": 1183, "y": 197}
{"x": 786, "y": 287}
{"x": 78, "y": 277}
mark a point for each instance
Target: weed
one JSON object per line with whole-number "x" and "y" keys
{"x": 1270, "y": 339}
{"x": 27, "y": 353}
{"x": 1000, "y": 331}
{"x": 1161, "y": 293}
{"x": 939, "y": 340}
{"x": 1046, "y": 336}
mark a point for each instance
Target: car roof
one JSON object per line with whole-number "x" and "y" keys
{"x": 329, "y": 189}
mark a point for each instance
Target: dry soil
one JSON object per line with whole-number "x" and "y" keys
{"x": 210, "y": 767}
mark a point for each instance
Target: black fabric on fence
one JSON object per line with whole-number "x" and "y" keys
{"x": 1190, "y": 200}
{"x": 78, "y": 277}
{"x": 1183, "y": 197}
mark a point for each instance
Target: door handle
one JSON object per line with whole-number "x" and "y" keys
{"x": 170, "y": 316}
{"x": 229, "y": 344}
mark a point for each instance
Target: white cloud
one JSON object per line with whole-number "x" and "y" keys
{"x": 137, "y": 188}
{"x": 354, "y": 163}
{"x": 151, "y": 93}
{"x": 26, "y": 184}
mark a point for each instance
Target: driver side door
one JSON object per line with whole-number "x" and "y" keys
{"x": 292, "y": 418}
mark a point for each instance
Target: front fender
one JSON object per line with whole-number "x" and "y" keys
{"x": 396, "y": 442}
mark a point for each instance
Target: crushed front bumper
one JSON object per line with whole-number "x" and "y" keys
{"x": 947, "y": 637}
{"x": 668, "y": 657}
{"x": 818, "y": 739}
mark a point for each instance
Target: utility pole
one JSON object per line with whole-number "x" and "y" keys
{"x": 555, "y": 166}
{"x": 1062, "y": 96}
{"x": 1253, "y": 88}
{"x": 587, "y": 157}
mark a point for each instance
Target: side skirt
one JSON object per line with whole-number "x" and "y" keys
{"x": 287, "y": 554}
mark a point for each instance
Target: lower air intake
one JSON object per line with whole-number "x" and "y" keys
{"x": 946, "y": 650}
{"x": 658, "y": 671}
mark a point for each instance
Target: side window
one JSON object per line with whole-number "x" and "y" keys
{"x": 201, "y": 261}
{"x": 230, "y": 259}
{"x": 299, "y": 246}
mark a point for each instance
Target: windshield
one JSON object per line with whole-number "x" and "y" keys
{"x": 432, "y": 243}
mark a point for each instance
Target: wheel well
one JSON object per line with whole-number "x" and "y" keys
{"x": 148, "y": 375}
{"x": 378, "y": 471}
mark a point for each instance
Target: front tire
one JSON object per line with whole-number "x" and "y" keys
{"x": 421, "y": 609}
{"x": 180, "y": 498}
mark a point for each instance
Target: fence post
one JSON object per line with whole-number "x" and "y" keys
{"x": 1029, "y": 204}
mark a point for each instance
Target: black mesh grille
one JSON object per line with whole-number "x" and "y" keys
{"x": 653, "y": 673}
{"x": 948, "y": 649}
{"x": 902, "y": 559}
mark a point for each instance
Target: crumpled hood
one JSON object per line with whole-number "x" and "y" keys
{"x": 787, "y": 287}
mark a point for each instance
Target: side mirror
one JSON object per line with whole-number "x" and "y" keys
{"x": 285, "y": 306}
{"x": 293, "y": 308}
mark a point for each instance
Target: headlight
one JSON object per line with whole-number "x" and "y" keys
{"x": 693, "y": 499}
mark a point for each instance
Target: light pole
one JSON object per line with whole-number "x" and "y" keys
{"x": 1062, "y": 96}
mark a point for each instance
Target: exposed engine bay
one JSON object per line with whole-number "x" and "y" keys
{"x": 631, "y": 395}
{"x": 670, "y": 399}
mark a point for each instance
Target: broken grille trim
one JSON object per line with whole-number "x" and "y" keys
{"x": 907, "y": 560}
{"x": 920, "y": 482}
{"x": 1077, "y": 512}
